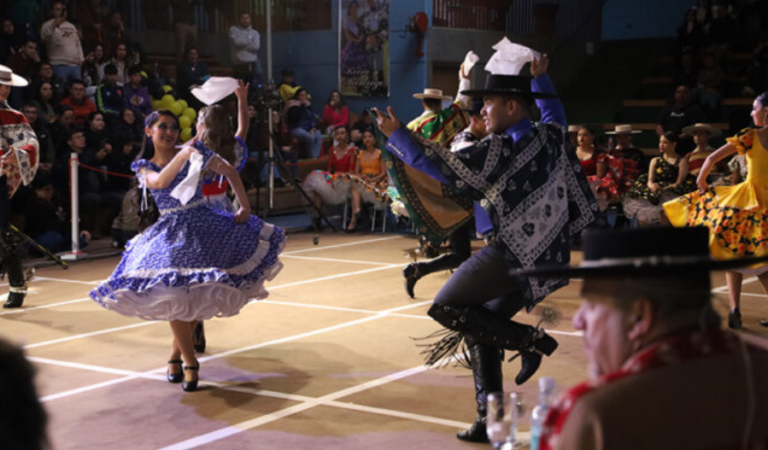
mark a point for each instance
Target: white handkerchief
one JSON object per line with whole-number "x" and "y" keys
{"x": 510, "y": 58}
{"x": 469, "y": 61}
{"x": 185, "y": 190}
{"x": 215, "y": 89}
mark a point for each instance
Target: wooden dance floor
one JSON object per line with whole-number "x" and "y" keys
{"x": 327, "y": 362}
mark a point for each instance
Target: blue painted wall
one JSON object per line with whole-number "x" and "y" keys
{"x": 635, "y": 19}
{"x": 314, "y": 56}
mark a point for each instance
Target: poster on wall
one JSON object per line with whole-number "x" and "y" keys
{"x": 364, "y": 48}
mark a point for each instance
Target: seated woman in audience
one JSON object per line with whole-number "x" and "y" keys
{"x": 371, "y": 178}
{"x": 335, "y": 112}
{"x": 609, "y": 177}
{"x": 702, "y": 133}
{"x": 46, "y": 104}
{"x": 96, "y": 134}
{"x": 332, "y": 187}
{"x": 667, "y": 178}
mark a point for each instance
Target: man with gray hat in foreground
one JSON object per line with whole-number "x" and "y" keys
{"x": 663, "y": 374}
{"x": 18, "y": 164}
{"x": 536, "y": 197}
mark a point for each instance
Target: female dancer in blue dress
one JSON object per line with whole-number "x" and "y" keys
{"x": 195, "y": 262}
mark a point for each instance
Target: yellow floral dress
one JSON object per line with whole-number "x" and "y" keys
{"x": 737, "y": 216}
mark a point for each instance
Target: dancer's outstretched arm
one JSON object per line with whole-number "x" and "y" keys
{"x": 222, "y": 167}
{"x": 163, "y": 179}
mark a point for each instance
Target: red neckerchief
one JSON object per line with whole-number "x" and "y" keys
{"x": 670, "y": 351}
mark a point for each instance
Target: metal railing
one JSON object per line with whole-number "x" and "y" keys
{"x": 558, "y": 18}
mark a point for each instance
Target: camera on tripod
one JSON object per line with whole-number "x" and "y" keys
{"x": 264, "y": 97}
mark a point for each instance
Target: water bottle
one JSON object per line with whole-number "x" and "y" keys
{"x": 539, "y": 413}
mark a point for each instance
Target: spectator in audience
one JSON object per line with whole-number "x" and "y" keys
{"x": 184, "y": 24}
{"x": 45, "y": 102}
{"x": 690, "y": 35}
{"x": 23, "y": 420}
{"x": 45, "y": 74}
{"x": 191, "y": 72}
{"x": 751, "y": 20}
{"x": 119, "y": 161}
{"x": 573, "y": 137}
{"x": 96, "y": 135}
{"x": 332, "y": 186}
{"x": 44, "y": 138}
{"x": 624, "y": 148}
{"x": 721, "y": 32}
{"x": 126, "y": 224}
{"x": 335, "y": 112}
{"x": 113, "y": 33}
{"x": 702, "y": 133}
{"x": 121, "y": 63}
{"x": 704, "y": 13}
{"x": 667, "y": 178}
{"x": 372, "y": 175}
{"x": 93, "y": 61}
{"x": 288, "y": 85}
{"x": 26, "y": 62}
{"x": 11, "y": 40}
{"x": 135, "y": 95}
{"x": 62, "y": 44}
{"x": 62, "y": 128}
{"x": 652, "y": 337}
{"x": 710, "y": 82}
{"x": 45, "y": 219}
{"x": 365, "y": 122}
{"x": 109, "y": 96}
{"x": 90, "y": 13}
{"x": 77, "y": 100}
{"x": 595, "y": 164}
{"x": 302, "y": 123}
{"x": 128, "y": 129}
{"x": 686, "y": 72}
{"x": 245, "y": 47}
{"x": 757, "y": 77}
{"x": 681, "y": 113}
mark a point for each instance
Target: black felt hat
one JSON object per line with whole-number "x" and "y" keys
{"x": 644, "y": 252}
{"x": 507, "y": 85}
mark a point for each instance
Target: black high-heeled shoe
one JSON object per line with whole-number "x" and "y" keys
{"x": 174, "y": 377}
{"x": 189, "y": 386}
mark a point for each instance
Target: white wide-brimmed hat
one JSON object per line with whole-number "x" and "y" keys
{"x": 8, "y": 78}
{"x": 436, "y": 94}
{"x": 689, "y": 130}
{"x": 573, "y": 128}
{"x": 623, "y": 129}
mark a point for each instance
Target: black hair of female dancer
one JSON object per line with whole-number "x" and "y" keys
{"x": 23, "y": 420}
{"x": 148, "y": 215}
{"x": 671, "y": 137}
{"x": 592, "y": 130}
{"x": 763, "y": 99}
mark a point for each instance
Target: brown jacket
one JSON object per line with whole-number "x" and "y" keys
{"x": 698, "y": 404}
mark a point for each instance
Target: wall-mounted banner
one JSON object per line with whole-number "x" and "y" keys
{"x": 364, "y": 48}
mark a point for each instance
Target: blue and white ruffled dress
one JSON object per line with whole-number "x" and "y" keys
{"x": 195, "y": 262}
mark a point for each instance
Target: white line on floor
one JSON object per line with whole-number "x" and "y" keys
{"x": 348, "y": 261}
{"x": 51, "y": 305}
{"x": 333, "y": 277}
{"x": 61, "y": 280}
{"x": 382, "y": 314}
{"x": 86, "y": 335}
{"x": 291, "y": 410}
{"x": 348, "y": 244}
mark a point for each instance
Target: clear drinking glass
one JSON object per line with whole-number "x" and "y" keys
{"x": 501, "y": 419}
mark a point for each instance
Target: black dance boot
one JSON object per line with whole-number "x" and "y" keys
{"x": 15, "y": 300}
{"x": 485, "y": 361}
{"x": 412, "y": 274}
{"x": 482, "y": 326}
